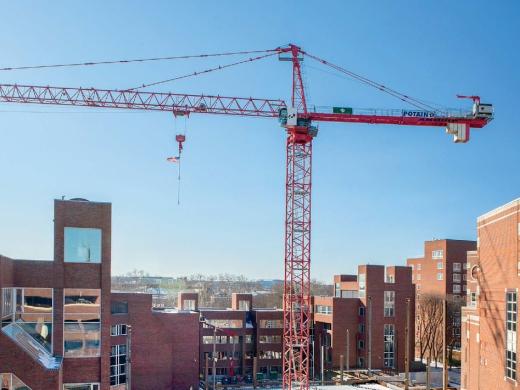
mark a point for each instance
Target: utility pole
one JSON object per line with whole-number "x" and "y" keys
{"x": 348, "y": 350}
{"x": 444, "y": 360}
{"x": 129, "y": 357}
{"x": 407, "y": 346}
{"x": 206, "y": 369}
{"x": 341, "y": 368}
{"x": 322, "y": 365}
{"x": 255, "y": 368}
{"x": 214, "y": 356}
{"x": 369, "y": 336}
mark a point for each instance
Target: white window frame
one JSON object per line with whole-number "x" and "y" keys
{"x": 389, "y": 339}
{"x": 457, "y": 267}
{"x": 389, "y": 304}
{"x": 438, "y": 254}
{"x": 440, "y": 276}
{"x": 456, "y": 289}
{"x": 118, "y": 365}
{"x": 457, "y": 278}
{"x": 511, "y": 329}
{"x": 119, "y": 330}
{"x": 93, "y": 386}
{"x": 440, "y": 265}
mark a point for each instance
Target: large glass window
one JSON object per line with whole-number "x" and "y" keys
{"x": 224, "y": 323}
{"x": 270, "y": 339}
{"x": 323, "y": 309}
{"x": 389, "y": 303}
{"x": 118, "y": 365}
{"x": 511, "y": 317}
{"x": 438, "y": 254}
{"x": 81, "y": 386}
{"x": 389, "y": 345}
{"x": 271, "y": 323}
{"x": 31, "y": 309}
{"x": 82, "y": 322}
{"x": 119, "y": 307}
{"x": 82, "y": 245}
{"x": 362, "y": 285}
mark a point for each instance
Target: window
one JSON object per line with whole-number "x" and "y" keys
{"x": 349, "y": 294}
{"x": 361, "y": 344}
{"x": 337, "y": 290}
{"x": 464, "y": 277}
{"x": 389, "y": 303}
{"x": 233, "y": 339}
{"x": 270, "y": 355}
{"x": 207, "y": 339}
{"x": 224, "y": 323}
{"x": 419, "y": 267}
{"x": 81, "y": 386}
{"x": 464, "y": 288}
{"x": 322, "y": 309}
{"x": 389, "y": 346}
{"x": 32, "y": 310}
{"x": 418, "y": 287}
{"x": 270, "y": 339}
{"x": 118, "y": 307}
{"x": 361, "y": 311}
{"x": 418, "y": 276}
{"x": 82, "y": 322}
{"x": 456, "y": 278}
{"x": 271, "y": 324}
{"x": 440, "y": 276}
{"x": 118, "y": 365}
{"x": 361, "y": 328}
{"x": 456, "y": 267}
{"x": 511, "y": 318}
{"x": 473, "y": 299}
{"x": 362, "y": 285}
{"x": 438, "y": 254}
{"x": 467, "y": 265}
{"x": 456, "y": 289}
{"x": 188, "y": 304}
{"x": 82, "y": 245}
{"x": 118, "y": 330}
{"x": 244, "y": 305}
{"x": 440, "y": 265}
{"x": 248, "y": 339}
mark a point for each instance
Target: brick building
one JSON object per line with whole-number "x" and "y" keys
{"x": 442, "y": 272}
{"x": 348, "y": 311}
{"x": 57, "y": 317}
{"x": 489, "y": 320}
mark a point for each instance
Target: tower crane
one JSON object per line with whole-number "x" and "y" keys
{"x": 298, "y": 120}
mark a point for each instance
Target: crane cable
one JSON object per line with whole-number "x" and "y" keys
{"x": 209, "y": 70}
{"x": 413, "y": 101}
{"x": 91, "y": 63}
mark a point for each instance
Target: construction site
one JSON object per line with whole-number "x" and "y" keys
{"x": 368, "y": 312}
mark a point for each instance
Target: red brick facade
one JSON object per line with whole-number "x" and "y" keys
{"x": 493, "y": 276}
{"x": 349, "y": 310}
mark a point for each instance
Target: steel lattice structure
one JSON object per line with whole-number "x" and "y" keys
{"x": 297, "y": 121}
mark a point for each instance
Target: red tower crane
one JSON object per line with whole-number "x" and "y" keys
{"x": 298, "y": 120}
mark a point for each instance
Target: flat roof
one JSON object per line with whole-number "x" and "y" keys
{"x": 499, "y": 209}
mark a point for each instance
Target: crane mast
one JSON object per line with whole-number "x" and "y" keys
{"x": 297, "y": 119}
{"x": 296, "y": 294}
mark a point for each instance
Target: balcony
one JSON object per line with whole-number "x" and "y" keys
{"x": 36, "y": 350}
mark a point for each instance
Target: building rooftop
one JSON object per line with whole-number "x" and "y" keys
{"x": 498, "y": 210}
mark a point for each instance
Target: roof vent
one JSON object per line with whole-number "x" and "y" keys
{"x": 79, "y": 200}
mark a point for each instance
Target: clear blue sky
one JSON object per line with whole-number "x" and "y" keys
{"x": 379, "y": 191}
